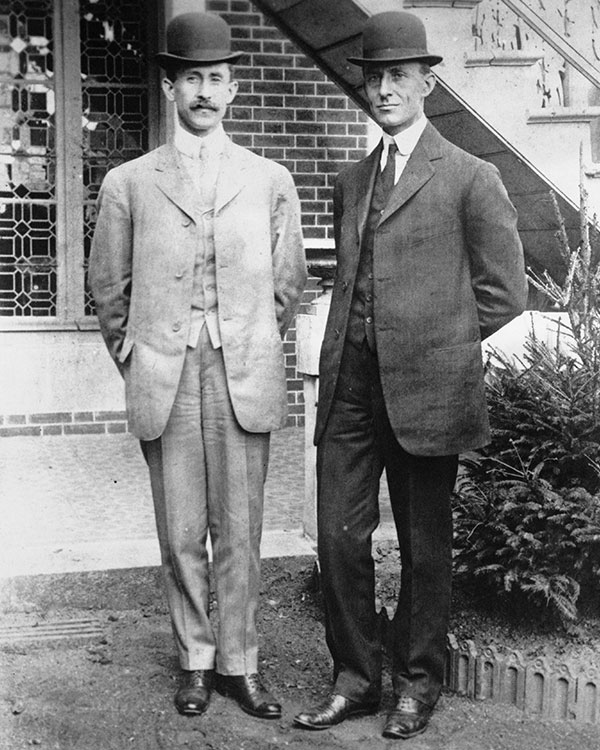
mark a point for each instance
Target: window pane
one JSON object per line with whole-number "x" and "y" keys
{"x": 27, "y": 259}
{"x": 27, "y": 160}
{"x": 115, "y": 94}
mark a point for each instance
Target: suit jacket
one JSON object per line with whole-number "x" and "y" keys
{"x": 141, "y": 274}
{"x": 448, "y": 271}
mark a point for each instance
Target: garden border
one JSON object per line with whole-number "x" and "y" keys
{"x": 566, "y": 691}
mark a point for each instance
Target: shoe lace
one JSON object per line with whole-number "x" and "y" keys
{"x": 255, "y": 684}
{"x": 407, "y": 704}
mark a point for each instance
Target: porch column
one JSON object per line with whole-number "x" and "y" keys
{"x": 310, "y": 328}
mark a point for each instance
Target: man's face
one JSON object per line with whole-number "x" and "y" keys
{"x": 201, "y": 94}
{"x": 396, "y": 92}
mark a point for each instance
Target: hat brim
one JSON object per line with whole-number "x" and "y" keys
{"x": 429, "y": 59}
{"x": 164, "y": 59}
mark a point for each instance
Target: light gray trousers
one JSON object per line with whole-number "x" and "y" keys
{"x": 207, "y": 476}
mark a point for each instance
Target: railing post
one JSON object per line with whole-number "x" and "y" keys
{"x": 310, "y": 328}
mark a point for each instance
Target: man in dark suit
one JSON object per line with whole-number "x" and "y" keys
{"x": 429, "y": 263}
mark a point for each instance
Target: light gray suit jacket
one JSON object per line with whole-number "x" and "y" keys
{"x": 141, "y": 274}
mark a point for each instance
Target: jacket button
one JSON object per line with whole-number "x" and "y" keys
{"x": 186, "y": 222}
{"x": 176, "y": 326}
{"x": 344, "y": 286}
{"x": 179, "y": 275}
{"x": 336, "y": 333}
{"x": 368, "y": 319}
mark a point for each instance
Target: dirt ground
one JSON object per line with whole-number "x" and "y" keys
{"x": 115, "y": 691}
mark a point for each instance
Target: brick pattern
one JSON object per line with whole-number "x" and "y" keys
{"x": 287, "y": 110}
{"x": 63, "y": 423}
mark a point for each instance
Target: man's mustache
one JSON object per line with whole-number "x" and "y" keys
{"x": 204, "y": 105}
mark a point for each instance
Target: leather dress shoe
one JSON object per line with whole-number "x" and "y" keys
{"x": 408, "y": 718}
{"x": 193, "y": 694}
{"x": 333, "y": 711}
{"x": 250, "y": 693}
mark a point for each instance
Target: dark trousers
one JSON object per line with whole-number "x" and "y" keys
{"x": 358, "y": 443}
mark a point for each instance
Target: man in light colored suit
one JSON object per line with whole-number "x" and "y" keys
{"x": 429, "y": 263}
{"x": 197, "y": 269}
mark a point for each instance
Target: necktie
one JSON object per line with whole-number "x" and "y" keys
{"x": 206, "y": 178}
{"x": 389, "y": 171}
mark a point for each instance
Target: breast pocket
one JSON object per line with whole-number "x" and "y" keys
{"x": 428, "y": 232}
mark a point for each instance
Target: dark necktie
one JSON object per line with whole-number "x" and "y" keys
{"x": 389, "y": 171}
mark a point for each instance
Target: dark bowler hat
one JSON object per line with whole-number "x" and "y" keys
{"x": 394, "y": 36}
{"x": 198, "y": 38}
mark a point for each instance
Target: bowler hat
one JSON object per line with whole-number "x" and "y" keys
{"x": 394, "y": 36}
{"x": 197, "y": 39}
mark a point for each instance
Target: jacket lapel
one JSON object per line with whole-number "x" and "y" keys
{"x": 363, "y": 185}
{"x": 233, "y": 175}
{"x": 174, "y": 181}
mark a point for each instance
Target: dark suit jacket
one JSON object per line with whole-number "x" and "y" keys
{"x": 448, "y": 271}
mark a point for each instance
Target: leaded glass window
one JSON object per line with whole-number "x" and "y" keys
{"x": 75, "y": 100}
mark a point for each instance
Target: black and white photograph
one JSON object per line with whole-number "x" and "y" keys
{"x": 300, "y": 374}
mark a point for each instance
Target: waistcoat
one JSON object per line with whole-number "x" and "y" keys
{"x": 361, "y": 319}
{"x": 204, "y": 289}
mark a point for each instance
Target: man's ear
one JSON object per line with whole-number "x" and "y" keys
{"x": 430, "y": 81}
{"x": 167, "y": 87}
{"x": 233, "y": 89}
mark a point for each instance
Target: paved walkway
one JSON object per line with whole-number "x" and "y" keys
{"x": 83, "y": 502}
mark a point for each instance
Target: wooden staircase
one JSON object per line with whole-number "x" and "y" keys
{"x": 505, "y": 93}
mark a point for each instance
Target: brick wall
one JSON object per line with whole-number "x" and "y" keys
{"x": 287, "y": 110}
{"x": 63, "y": 423}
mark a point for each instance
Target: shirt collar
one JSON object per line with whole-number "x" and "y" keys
{"x": 189, "y": 144}
{"x": 406, "y": 140}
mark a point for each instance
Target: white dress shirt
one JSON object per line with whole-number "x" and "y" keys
{"x": 406, "y": 141}
{"x": 201, "y": 156}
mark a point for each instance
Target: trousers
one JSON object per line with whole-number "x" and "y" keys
{"x": 207, "y": 476}
{"x": 358, "y": 443}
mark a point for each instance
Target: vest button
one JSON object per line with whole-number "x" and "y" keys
{"x": 176, "y": 326}
{"x": 368, "y": 319}
{"x": 336, "y": 333}
{"x": 179, "y": 275}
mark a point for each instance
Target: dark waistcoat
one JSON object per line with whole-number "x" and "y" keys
{"x": 360, "y": 322}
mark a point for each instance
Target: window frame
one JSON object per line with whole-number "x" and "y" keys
{"x": 70, "y": 198}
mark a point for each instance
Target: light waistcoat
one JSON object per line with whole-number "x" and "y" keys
{"x": 202, "y": 158}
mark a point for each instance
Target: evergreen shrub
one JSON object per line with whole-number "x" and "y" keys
{"x": 527, "y": 508}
